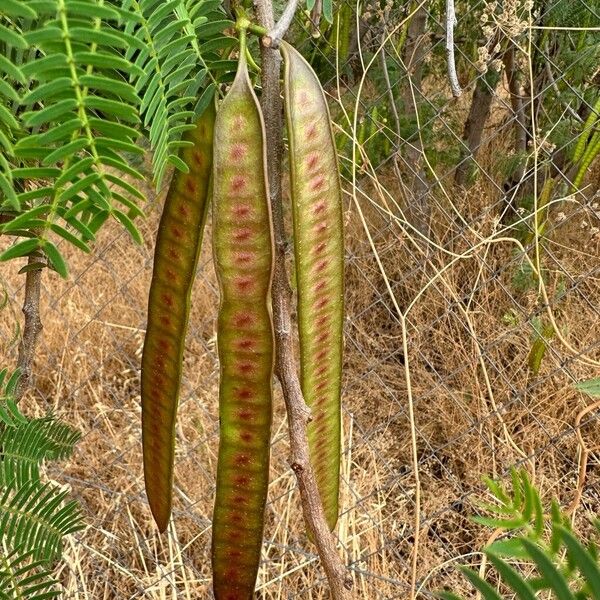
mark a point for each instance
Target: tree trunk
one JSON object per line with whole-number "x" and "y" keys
{"x": 415, "y": 52}
{"x": 479, "y": 113}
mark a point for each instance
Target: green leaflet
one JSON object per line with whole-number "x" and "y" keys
{"x": 177, "y": 248}
{"x": 243, "y": 253}
{"x": 319, "y": 252}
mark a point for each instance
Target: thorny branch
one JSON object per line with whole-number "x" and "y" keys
{"x": 450, "y": 24}
{"x": 297, "y": 411}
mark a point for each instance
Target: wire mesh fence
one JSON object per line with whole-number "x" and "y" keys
{"x": 472, "y": 306}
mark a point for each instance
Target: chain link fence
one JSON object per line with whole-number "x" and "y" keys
{"x": 472, "y": 307}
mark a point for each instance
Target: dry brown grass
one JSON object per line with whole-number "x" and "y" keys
{"x": 478, "y": 409}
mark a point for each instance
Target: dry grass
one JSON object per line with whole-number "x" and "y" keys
{"x": 478, "y": 409}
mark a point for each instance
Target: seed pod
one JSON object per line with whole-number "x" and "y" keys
{"x": 319, "y": 254}
{"x": 243, "y": 252}
{"x": 588, "y": 127}
{"x": 175, "y": 257}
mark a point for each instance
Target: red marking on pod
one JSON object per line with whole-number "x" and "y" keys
{"x": 241, "y": 210}
{"x": 243, "y": 318}
{"x": 322, "y": 385}
{"x": 242, "y": 234}
{"x": 322, "y": 336}
{"x": 198, "y": 158}
{"x": 304, "y": 100}
{"x": 321, "y": 227}
{"x": 244, "y": 283}
{"x": 167, "y": 299}
{"x": 239, "y": 122}
{"x": 322, "y": 320}
{"x": 242, "y": 479}
{"x": 245, "y": 414}
{"x": 311, "y": 132}
{"x": 246, "y": 436}
{"x": 164, "y": 345}
{"x": 165, "y": 320}
{"x": 176, "y": 232}
{"x": 238, "y": 151}
{"x": 312, "y": 161}
{"x": 322, "y": 354}
{"x": 324, "y": 301}
{"x": 244, "y": 393}
{"x": 246, "y": 344}
{"x": 317, "y": 183}
{"x": 321, "y": 283}
{"x": 319, "y": 207}
{"x": 238, "y": 183}
{"x": 173, "y": 253}
{"x": 322, "y": 441}
{"x": 242, "y": 459}
{"x": 320, "y": 266}
{"x": 183, "y": 210}
{"x": 190, "y": 185}
{"x": 245, "y": 367}
{"x": 244, "y": 257}
{"x": 322, "y": 369}
{"x": 239, "y": 499}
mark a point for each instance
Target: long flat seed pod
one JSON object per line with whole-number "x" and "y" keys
{"x": 243, "y": 252}
{"x": 319, "y": 255}
{"x": 175, "y": 258}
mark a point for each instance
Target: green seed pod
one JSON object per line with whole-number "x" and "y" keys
{"x": 319, "y": 253}
{"x": 243, "y": 253}
{"x": 592, "y": 150}
{"x": 175, "y": 257}
{"x": 588, "y": 126}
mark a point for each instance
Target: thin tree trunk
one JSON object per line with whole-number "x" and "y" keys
{"x": 479, "y": 113}
{"x": 297, "y": 412}
{"x": 32, "y": 326}
{"x": 415, "y": 52}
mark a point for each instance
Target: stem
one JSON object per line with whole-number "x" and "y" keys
{"x": 450, "y": 23}
{"x": 285, "y": 367}
{"x": 32, "y": 327}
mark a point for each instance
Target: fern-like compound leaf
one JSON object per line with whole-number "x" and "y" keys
{"x": 22, "y": 577}
{"x": 76, "y": 108}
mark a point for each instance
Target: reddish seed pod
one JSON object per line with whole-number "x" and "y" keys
{"x": 243, "y": 253}
{"x": 319, "y": 255}
{"x": 175, "y": 258}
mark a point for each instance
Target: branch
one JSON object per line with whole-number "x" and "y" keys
{"x": 276, "y": 34}
{"x": 450, "y": 23}
{"x": 297, "y": 411}
{"x": 32, "y": 326}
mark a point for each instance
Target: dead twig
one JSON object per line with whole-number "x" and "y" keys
{"x": 276, "y": 34}
{"x": 297, "y": 412}
{"x": 450, "y": 24}
{"x": 584, "y": 454}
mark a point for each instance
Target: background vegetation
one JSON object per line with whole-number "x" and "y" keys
{"x": 472, "y": 228}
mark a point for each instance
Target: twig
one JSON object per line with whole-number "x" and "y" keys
{"x": 315, "y": 17}
{"x": 450, "y": 24}
{"x": 584, "y": 454}
{"x": 276, "y": 34}
{"x": 297, "y": 411}
{"x": 32, "y": 326}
